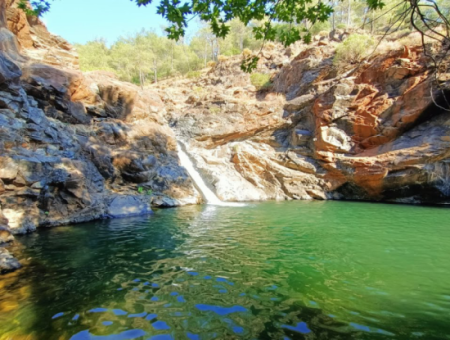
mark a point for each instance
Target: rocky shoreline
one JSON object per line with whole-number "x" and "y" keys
{"x": 77, "y": 147}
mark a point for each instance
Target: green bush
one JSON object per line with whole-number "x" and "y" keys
{"x": 193, "y": 74}
{"x": 214, "y": 109}
{"x": 320, "y": 27}
{"x": 232, "y": 51}
{"x": 354, "y": 49}
{"x": 260, "y": 80}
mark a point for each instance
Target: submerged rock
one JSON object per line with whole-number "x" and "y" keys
{"x": 8, "y": 263}
{"x": 5, "y": 235}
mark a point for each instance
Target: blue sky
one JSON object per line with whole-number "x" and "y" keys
{"x": 79, "y": 21}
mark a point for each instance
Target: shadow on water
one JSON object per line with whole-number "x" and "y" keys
{"x": 70, "y": 268}
{"x": 296, "y": 270}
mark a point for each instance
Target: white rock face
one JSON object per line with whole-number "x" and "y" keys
{"x": 19, "y": 221}
{"x": 248, "y": 171}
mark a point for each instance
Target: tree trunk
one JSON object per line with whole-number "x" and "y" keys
{"x": 141, "y": 79}
{"x": 218, "y": 47}
{"x": 187, "y": 57}
{"x": 333, "y": 18}
{"x": 206, "y": 51}
{"x": 349, "y": 12}
{"x": 171, "y": 42}
{"x": 366, "y": 10}
{"x": 372, "y": 22}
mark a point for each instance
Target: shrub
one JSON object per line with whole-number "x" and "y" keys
{"x": 232, "y": 51}
{"x": 320, "y": 27}
{"x": 120, "y": 162}
{"x": 247, "y": 52}
{"x": 198, "y": 89}
{"x": 193, "y": 74}
{"x": 222, "y": 58}
{"x": 354, "y": 49}
{"x": 214, "y": 109}
{"x": 260, "y": 80}
{"x": 211, "y": 64}
{"x": 270, "y": 46}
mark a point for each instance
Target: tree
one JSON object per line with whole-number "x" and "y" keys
{"x": 96, "y": 55}
{"x": 424, "y": 16}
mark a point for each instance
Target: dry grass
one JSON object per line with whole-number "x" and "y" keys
{"x": 214, "y": 109}
{"x": 354, "y": 49}
{"x": 120, "y": 162}
{"x": 247, "y": 52}
{"x": 160, "y": 137}
{"x": 388, "y": 46}
{"x": 260, "y": 80}
{"x": 401, "y": 39}
{"x": 211, "y": 64}
{"x": 270, "y": 46}
{"x": 222, "y": 58}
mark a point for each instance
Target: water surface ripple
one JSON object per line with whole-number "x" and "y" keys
{"x": 291, "y": 270}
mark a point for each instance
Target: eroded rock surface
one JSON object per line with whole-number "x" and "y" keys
{"x": 371, "y": 132}
{"x": 75, "y": 147}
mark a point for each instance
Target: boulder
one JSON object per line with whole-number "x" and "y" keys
{"x": 5, "y": 235}
{"x": 8, "y": 168}
{"x": 298, "y": 103}
{"x": 8, "y": 263}
{"x": 129, "y": 205}
{"x": 62, "y": 81}
{"x": 9, "y": 71}
{"x": 20, "y": 221}
{"x": 164, "y": 202}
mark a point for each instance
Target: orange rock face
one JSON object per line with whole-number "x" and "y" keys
{"x": 369, "y": 133}
{"x": 36, "y": 42}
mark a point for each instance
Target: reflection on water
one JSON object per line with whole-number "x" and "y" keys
{"x": 291, "y": 270}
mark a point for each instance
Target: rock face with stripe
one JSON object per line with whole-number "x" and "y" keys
{"x": 375, "y": 131}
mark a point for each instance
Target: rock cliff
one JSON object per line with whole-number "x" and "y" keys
{"x": 366, "y": 132}
{"x": 75, "y": 147}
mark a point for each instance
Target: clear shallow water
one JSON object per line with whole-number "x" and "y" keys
{"x": 290, "y": 270}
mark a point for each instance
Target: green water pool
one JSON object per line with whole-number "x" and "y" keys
{"x": 288, "y": 270}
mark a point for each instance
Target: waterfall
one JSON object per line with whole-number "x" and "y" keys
{"x": 208, "y": 194}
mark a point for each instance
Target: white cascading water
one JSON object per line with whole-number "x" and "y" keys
{"x": 208, "y": 194}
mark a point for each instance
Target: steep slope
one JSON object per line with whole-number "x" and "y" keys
{"x": 75, "y": 147}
